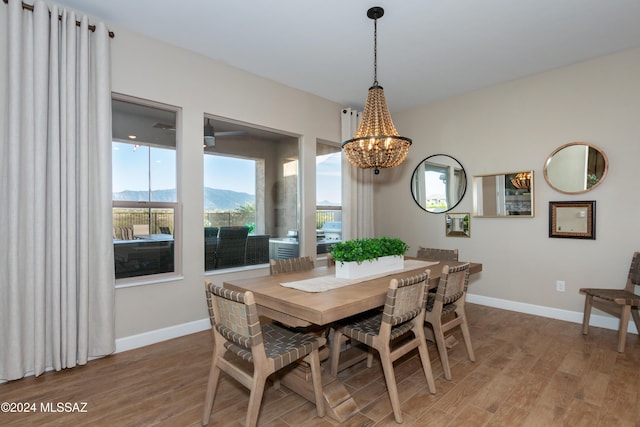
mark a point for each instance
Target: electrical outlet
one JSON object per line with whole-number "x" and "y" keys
{"x": 560, "y": 285}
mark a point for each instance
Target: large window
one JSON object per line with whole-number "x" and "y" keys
{"x": 328, "y": 196}
{"x": 250, "y": 195}
{"x": 145, "y": 202}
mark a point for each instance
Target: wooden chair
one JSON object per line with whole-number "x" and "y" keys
{"x": 445, "y": 311}
{"x": 277, "y": 266}
{"x": 437, "y": 254}
{"x": 618, "y": 302}
{"x": 240, "y": 339}
{"x": 403, "y": 315}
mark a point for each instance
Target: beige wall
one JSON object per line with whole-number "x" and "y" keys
{"x": 153, "y": 70}
{"x": 515, "y": 126}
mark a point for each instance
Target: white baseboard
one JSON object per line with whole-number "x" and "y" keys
{"x": 597, "y": 320}
{"x": 159, "y": 335}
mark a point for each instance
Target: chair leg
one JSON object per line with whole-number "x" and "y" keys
{"x": 335, "y": 352}
{"x": 587, "y": 314}
{"x": 316, "y": 376}
{"x": 426, "y": 362}
{"x": 636, "y": 318}
{"x": 214, "y": 375}
{"x": 624, "y": 323}
{"x": 255, "y": 399}
{"x": 464, "y": 327}
{"x": 392, "y": 388}
{"x": 438, "y": 334}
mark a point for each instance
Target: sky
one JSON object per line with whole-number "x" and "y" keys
{"x": 131, "y": 165}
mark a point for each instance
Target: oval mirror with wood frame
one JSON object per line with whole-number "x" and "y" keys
{"x": 438, "y": 183}
{"x": 575, "y": 168}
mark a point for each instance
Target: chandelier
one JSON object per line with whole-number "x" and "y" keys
{"x": 376, "y": 144}
{"x": 522, "y": 180}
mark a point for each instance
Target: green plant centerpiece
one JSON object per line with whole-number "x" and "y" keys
{"x": 362, "y": 257}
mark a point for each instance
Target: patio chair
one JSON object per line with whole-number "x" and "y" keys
{"x": 232, "y": 246}
{"x": 277, "y": 266}
{"x": 445, "y": 311}
{"x": 622, "y": 303}
{"x": 240, "y": 338}
{"x": 403, "y": 316}
{"x": 437, "y": 254}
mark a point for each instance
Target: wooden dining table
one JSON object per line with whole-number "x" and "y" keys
{"x": 297, "y": 308}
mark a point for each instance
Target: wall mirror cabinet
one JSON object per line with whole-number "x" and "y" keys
{"x": 438, "y": 183}
{"x": 503, "y": 195}
{"x": 576, "y": 168}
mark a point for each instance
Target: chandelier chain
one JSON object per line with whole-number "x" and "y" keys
{"x": 375, "y": 52}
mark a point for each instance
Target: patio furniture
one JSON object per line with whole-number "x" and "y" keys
{"x": 232, "y": 247}
{"x": 210, "y": 247}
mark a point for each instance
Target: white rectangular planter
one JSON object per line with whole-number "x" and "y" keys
{"x": 353, "y": 270}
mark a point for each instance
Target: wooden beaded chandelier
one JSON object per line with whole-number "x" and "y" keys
{"x": 376, "y": 144}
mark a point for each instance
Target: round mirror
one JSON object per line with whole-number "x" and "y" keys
{"x": 438, "y": 183}
{"x": 576, "y": 168}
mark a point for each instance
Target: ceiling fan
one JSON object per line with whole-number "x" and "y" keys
{"x": 210, "y": 134}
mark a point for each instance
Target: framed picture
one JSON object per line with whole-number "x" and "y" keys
{"x": 573, "y": 220}
{"x": 457, "y": 224}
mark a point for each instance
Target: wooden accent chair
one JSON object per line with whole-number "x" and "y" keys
{"x": 445, "y": 311}
{"x": 277, "y": 266}
{"x": 437, "y": 254}
{"x": 240, "y": 338}
{"x": 618, "y": 302}
{"x": 403, "y": 315}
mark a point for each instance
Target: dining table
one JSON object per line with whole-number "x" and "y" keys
{"x": 278, "y": 299}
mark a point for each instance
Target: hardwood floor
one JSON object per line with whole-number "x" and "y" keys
{"x": 530, "y": 371}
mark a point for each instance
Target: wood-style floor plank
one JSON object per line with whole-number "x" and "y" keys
{"x": 529, "y": 371}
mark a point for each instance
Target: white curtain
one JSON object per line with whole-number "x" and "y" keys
{"x": 357, "y": 188}
{"x": 56, "y": 257}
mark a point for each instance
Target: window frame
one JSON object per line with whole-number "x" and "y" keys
{"x": 176, "y": 206}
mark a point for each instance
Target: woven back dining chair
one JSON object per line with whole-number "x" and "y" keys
{"x": 437, "y": 254}
{"x": 240, "y": 337}
{"x": 622, "y": 303}
{"x": 403, "y": 316}
{"x": 445, "y": 311}
{"x": 277, "y": 266}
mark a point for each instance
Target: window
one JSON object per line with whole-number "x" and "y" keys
{"x": 145, "y": 200}
{"x": 328, "y": 196}
{"x": 250, "y": 195}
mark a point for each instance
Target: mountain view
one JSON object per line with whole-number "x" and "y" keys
{"x": 214, "y": 199}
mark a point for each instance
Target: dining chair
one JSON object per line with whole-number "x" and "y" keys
{"x": 239, "y": 337}
{"x": 445, "y": 311}
{"x": 437, "y": 254}
{"x": 277, "y": 266}
{"x": 403, "y": 316}
{"x": 622, "y": 303}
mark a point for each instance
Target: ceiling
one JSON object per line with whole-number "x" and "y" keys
{"x": 427, "y": 49}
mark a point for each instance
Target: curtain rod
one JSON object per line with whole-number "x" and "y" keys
{"x": 29, "y": 7}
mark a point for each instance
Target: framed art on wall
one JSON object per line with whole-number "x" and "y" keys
{"x": 574, "y": 220}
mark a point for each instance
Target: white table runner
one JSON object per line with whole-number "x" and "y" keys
{"x": 325, "y": 283}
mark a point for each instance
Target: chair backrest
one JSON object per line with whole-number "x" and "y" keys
{"x": 406, "y": 298}
{"x": 235, "y": 316}
{"x": 165, "y": 230}
{"x": 438, "y": 254}
{"x": 210, "y": 232}
{"x": 633, "y": 278}
{"x": 232, "y": 246}
{"x": 453, "y": 284}
{"x": 127, "y": 233}
{"x": 277, "y": 266}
